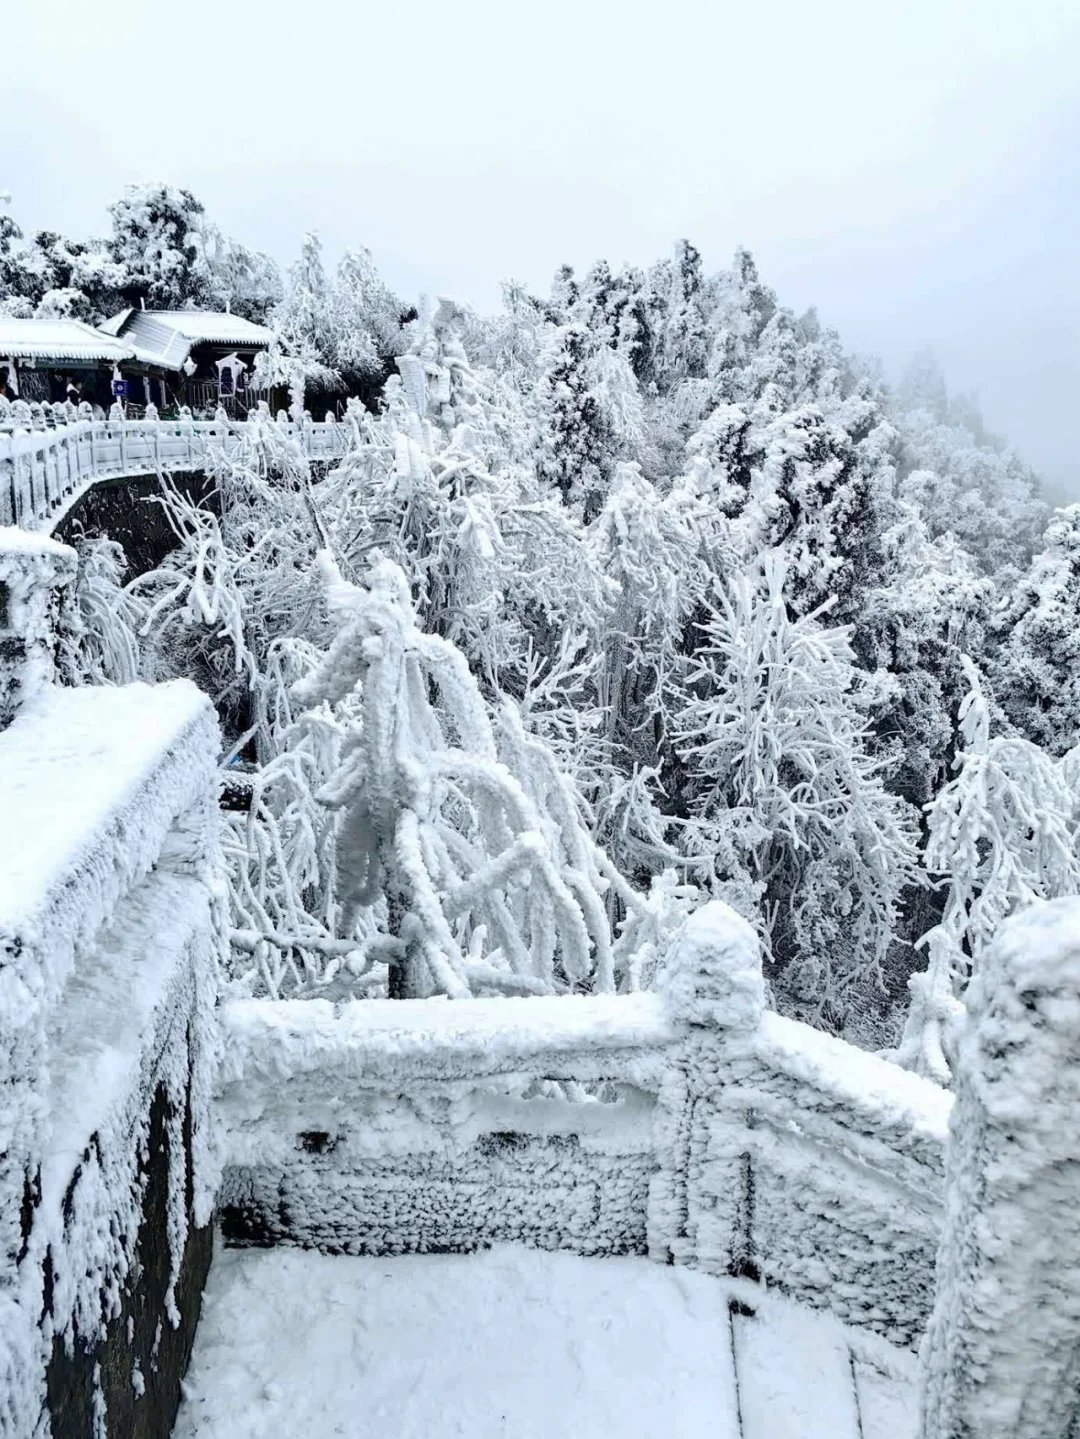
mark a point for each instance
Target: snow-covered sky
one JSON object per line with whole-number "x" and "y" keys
{"x": 914, "y": 169}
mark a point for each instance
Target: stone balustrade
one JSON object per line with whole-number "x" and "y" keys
{"x": 43, "y": 471}
{"x": 692, "y": 1125}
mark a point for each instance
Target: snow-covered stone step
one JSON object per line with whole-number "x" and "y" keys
{"x": 521, "y": 1342}
{"x": 888, "y": 1404}
{"x": 794, "y": 1372}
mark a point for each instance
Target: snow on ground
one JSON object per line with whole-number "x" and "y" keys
{"x": 519, "y": 1342}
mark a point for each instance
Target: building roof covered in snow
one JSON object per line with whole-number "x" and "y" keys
{"x": 59, "y": 340}
{"x": 165, "y": 337}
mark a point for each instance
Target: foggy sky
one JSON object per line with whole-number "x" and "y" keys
{"x": 913, "y": 170}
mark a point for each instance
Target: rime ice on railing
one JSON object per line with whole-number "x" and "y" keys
{"x": 1001, "y": 1348}
{"x": 43, "y": 470}
{"x": 693, "y": 1125}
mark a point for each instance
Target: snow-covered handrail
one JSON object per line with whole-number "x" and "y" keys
{"x": 1000, "y": 1354}
{"x": 43, "y": 472}
{"x": 724, "y": 1136}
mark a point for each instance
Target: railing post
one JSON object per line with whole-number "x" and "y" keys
{"x": 8, "y": 502}
{"x": 22, "y": 480}
{"x": 1001, "y": 1357}
{"x": 714, "y": 990}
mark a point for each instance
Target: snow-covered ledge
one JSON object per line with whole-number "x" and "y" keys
{"x": 691, "y": 1124}
{"x": 109, "y": 936}
{"x": 1000, "y": 1357}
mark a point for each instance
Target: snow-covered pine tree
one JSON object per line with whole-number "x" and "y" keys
{"x": 776, "y": 740}
{"x": 743, "y": 308}
{"x": 674, "y": 307}
{"x": 1036, "y": 670}
{"x": 930, "y": 607}
{"x": 574, "y": 441}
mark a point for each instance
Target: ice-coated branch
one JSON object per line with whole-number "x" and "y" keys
{"x": 451, "y": 812}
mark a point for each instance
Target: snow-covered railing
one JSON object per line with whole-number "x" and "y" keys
{"x": 1001, "y": 1349}
{"x": 42, "y": 471}
{"x": 108, "y": 956}
{"x": 390, "y": 1126}
{"x": 690, "y": 1124}
{"x": 818, "y": 1169}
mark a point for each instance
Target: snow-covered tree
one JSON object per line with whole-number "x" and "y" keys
{"x": 452, "y": 814}
{"x": 776, "y": 739}
{"x": 574, "y": 440}
{"x": 155, "y": 241}
{"x": 433, "y": 485}
{"x": 347, "y": 330}
{"x": 233, "y": 277}
{"x": 930, "y": 607}
{"x": 651, "y": 548}
{"x": 368, "y": 322}
{"x": 1004, "y": 831}
{"x": 1037, "y": 668}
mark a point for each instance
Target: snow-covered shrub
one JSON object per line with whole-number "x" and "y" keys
{"x": 100, "y": 634}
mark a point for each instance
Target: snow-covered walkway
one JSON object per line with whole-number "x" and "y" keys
{"x": 514, "y": 1342}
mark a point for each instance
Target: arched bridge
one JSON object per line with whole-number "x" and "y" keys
{"x": 44, "y": 473}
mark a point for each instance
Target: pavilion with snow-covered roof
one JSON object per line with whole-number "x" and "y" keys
{"x": 199, "y": 358}
{"x": 41, "y": 357}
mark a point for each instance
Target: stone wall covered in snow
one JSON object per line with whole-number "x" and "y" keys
{"x": 109, "y": 934}
{"x": 689, "y": 1124}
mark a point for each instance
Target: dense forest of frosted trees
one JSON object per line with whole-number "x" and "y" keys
{"x": 635, "y": 592}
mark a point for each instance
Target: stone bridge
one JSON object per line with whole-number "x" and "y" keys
{"x": 45, "y": 472}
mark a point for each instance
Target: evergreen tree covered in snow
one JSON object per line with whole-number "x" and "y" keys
{"x": 574, "y": 440}
{"x": 1037, "y": 667}
{"x": 786, "y": 793}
